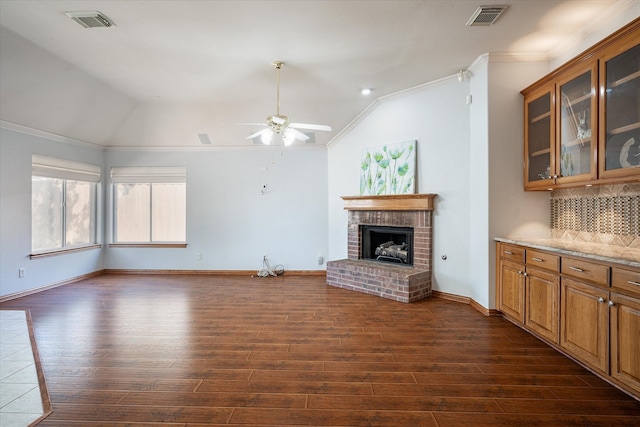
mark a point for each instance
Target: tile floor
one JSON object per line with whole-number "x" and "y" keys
{"x": 20, "y": 399}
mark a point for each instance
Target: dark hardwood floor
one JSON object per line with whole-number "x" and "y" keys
{"x": 171, "y": 350}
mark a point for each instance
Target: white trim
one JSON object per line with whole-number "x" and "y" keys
{"x": 253, "y": 147}
{"x": 48, "y": 135}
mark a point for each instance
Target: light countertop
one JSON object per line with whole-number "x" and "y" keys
{"x": 601, "y": 252}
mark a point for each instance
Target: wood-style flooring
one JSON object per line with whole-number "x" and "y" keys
{"x": 174, "y": 350}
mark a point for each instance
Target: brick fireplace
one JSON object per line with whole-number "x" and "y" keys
{"x": 400, "y": 282}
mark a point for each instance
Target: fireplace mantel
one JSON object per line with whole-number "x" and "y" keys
{"x": 395, "y": 202}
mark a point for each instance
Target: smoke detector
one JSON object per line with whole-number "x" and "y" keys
{"x": 485, "y": 15}
{"x": 91, "y": 19}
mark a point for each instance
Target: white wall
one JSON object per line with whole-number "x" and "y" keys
{"x": 15, "y": 215}
{"x": 437, "y": 116}
{"x": 228, "y": 221}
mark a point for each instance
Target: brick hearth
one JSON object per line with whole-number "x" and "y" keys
{"x": 398, "y": 282}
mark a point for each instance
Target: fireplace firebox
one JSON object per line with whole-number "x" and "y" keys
{"x": 387, "y": 244}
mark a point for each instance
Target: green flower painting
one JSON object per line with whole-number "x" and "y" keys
{"x": 389, "y": 169}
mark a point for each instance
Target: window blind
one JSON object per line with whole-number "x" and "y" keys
{"x": 140, "y": 174}
{"x": 52, "y": 167}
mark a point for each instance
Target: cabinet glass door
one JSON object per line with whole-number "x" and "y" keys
{"x": 539, "y": 121}
{"x": 621, "y": 98}
{"x": 576, "y": 127}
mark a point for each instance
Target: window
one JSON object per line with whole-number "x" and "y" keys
{"x": 149, "y": 205}
{"x": 64, "y": 204}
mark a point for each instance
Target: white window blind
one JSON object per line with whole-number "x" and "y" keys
{"x": 148, "y": 174}
{"x": 52, "y": 167}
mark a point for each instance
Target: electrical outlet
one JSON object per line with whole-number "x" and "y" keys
{"x": 21, "y": 272}
{"x": 199, "y": 256}
{"x": 320, "y": 258}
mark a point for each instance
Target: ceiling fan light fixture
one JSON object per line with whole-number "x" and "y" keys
{"x": 266, "y": 136}
{"x": 288, "y": 137}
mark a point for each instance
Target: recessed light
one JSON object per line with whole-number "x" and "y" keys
{"x": 366, "y": 91}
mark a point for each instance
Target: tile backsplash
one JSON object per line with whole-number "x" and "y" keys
{"x": 607, "y": 214}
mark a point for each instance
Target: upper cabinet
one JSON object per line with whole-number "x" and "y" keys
{"x": 620, "y": 101}
{"x": 582, "y": 122}
{"x": 539, "y": 139}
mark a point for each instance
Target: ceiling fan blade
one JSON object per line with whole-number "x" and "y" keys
{"x": 299, "y": 135}
{"x": 259, "y": 133}
{"x": 310, "y": 126}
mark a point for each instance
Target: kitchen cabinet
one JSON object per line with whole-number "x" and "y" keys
{"x": 582, "y": 121}
{"x": 625, "y": 327}
{"x": 620, "y": 104}
{"x": 511, "y": 290}
{"x": 587, "y": 309}
{"x": 585, "y": 323}
{"x": 542, "y": 291}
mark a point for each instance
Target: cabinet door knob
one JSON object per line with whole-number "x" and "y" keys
{"x": 611, "y": 303}
{"x": 519, "y": 272}
{"x": 600, "y": 299}
{"x": 525, "y": 274}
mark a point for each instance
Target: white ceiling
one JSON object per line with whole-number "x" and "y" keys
{"x": 186, "y": 67}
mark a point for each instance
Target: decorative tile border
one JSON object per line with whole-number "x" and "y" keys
{"x": 608, "y": 214}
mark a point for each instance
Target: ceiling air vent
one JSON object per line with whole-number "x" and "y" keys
{"x": 485, "y": 15}
{"x": 91, "y": 19}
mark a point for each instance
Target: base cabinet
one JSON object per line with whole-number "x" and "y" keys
{"x": 589, "y": 310}
{"x": 625, "y": 340}
{"x": 511, "y": 297}
{"x": 542, "y": 298}
{"x": 584, "y": 323}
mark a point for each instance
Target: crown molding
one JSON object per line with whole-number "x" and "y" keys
{"x": 48, "y": 135}
{"x": 218, "y": 148}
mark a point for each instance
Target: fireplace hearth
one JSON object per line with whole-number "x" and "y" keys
{"x": 388, "y": 247}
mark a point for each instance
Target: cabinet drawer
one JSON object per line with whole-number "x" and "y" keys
{"x": 586, "y": 270}
{"x": 625, "y": 280}
{"x": 543, "y": 260}
{"x": 512, "y": 253}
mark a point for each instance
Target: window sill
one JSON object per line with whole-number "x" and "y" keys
{"x": 147, "y": 245}
{"x": 55, "y": 252}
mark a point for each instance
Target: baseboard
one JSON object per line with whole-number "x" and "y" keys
{"x": 249, "y": 273}
{"x": 51, "y": 286}
{"x": 466, "y": 300}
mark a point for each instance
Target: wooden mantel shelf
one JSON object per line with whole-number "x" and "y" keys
{"x": 395, "y": 202}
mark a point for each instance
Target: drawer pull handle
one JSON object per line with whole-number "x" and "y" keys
{"x": 579, "y": 270}
{"x": 508, "y": 252}
{"x": 631, "y": 282}
{"x": 538, "y": 259}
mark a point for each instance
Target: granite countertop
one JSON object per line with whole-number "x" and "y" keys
{"x": 596, "y": 251}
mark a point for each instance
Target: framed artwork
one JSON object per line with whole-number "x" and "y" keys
{"x": 390, "y": 169}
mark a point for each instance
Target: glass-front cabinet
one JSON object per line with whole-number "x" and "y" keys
{"x": 620, "y": 102}
{"x": 539, "y": 167}
{"x": 582, "y": 121}
{"x": 577, "y": 121}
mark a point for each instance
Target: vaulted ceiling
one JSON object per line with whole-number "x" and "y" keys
{"x": 168, "y": 70}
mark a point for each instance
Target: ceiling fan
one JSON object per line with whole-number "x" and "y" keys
{"x": 279, "y": 124}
